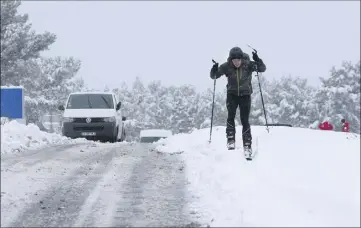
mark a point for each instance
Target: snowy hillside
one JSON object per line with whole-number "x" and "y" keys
{"x": 300, "y": 177}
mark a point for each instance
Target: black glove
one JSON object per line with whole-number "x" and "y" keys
{"x": 215, "y": 67}
{"x": 255, "y": 67}
{"x": 255, "y": 57}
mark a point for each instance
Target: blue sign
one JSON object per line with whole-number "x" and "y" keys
{"x": 12, "y": 102}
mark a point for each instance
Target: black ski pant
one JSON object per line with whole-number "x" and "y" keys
{"x": 244, "y": 104}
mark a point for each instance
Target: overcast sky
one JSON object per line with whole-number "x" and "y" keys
{"x": 175, "y": 41}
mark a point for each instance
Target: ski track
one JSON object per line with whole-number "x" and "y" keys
{"x": 89, "y": 185}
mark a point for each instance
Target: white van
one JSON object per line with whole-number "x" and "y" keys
{"x": 153, "y": 135}
{"x": 93, "y": 115}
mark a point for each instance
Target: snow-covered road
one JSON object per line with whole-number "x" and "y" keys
{"x": 91, "y": 184}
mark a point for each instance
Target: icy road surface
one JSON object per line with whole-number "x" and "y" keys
{"x": 93, "y": 185}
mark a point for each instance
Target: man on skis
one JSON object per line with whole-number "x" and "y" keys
{"x": 238, "y": 69}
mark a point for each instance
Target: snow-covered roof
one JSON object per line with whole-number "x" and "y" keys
{"x": 155, "y": 133}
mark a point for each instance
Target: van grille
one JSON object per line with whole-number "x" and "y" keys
{"x": 89, "y": 128}
{"x": 93, "y": 120}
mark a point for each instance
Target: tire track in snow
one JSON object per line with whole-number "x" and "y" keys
{"x": 126, "y": 185}
{"x": 24, "y": 181}
{"x": 61, "y": 203}
{"x": 155, "y": 193}
{"x": 31, "y": 158}
{"x": 100, "y": 206}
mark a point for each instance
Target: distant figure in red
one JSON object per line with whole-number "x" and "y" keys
{"x": 345, "y": 126}
{"x": 326, "y": 126}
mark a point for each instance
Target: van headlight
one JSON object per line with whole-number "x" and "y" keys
{"x": 109, "y": 119}
{"x": 68, "y": 120}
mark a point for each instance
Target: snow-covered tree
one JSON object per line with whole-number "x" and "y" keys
{"x": 292, "y": 101}
{"x": 19, "y": 43}
{"x": 158, "y": 114}
{"x": 339, "y": 96}
{"x": 46, "y": 81}
{"x": 204, "y": 109}
{"x": 183, "y": 110}
{"x": 257, "y": 113}
{"x": 55, "y": 79}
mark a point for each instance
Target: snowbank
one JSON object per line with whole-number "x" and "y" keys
{"x": 300, "y": 177}
{"x": 17, "y": 137}
{"x": 4, "y": 120}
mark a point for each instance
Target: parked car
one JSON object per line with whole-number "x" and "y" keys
{"x": 153, "y": 135}
{"x": 93, "y": 115}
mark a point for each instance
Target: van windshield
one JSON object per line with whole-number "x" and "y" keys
{"x": 90, "y": 101}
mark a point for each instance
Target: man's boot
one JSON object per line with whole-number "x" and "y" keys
{"x": 231, "y": 140}
{"x": 247, "y": 145}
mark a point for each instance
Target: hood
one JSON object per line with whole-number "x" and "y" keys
{"x": 237, "y": 52}
{"x": 83, "y": 113}
{"x": 234, "y": 52}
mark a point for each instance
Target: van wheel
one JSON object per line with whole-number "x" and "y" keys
{"x": 115, "y": 137}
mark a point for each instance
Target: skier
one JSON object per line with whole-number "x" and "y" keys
{"x": 345, "y": 126}
{"x": 238, "y": 69}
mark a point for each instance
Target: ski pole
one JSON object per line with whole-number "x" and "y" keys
{"x": 214, "y": 91}
{"x": 260, "y": 89}
{"x": 264, "y": 110}
{"x": 252, "y": 48}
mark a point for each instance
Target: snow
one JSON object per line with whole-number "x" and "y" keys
{"x": 300, "y": 177}
{"x": 294, "y": 116}
{"x": 92, "y": 92}
{"x": 4, "y": 120}
{"x": 354, "y": 97}
{"x": 39, "y": 100}
{"x": 17, "y": 137}
{"x": 344, "y": 90}
{"x": 296, "y": 88}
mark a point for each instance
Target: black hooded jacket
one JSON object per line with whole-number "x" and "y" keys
{"x": 239, "y": 79}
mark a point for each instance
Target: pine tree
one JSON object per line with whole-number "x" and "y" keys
{"x": 19, "y": 43}
{"x": 339, "y": 96}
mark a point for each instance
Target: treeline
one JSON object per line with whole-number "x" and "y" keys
{"x": 289, "y": 100}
